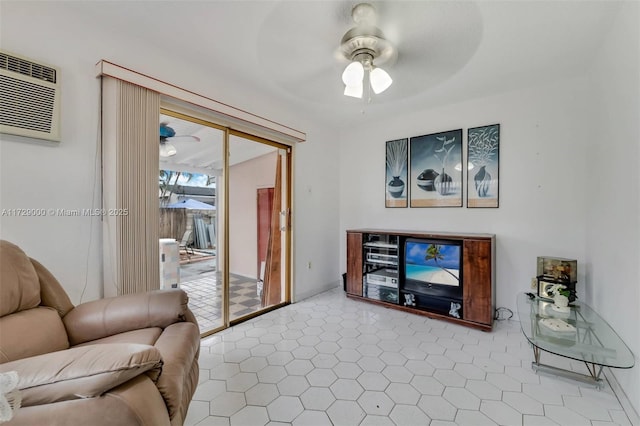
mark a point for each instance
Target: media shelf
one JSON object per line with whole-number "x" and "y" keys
{"x": 380, "y": 267}
{"x": 459, "y": 288}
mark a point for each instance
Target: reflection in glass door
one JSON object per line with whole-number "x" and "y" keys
{"x": 258, "y": 225}
{"x": 191, "y": 168}
{"x": 227, "y": 222}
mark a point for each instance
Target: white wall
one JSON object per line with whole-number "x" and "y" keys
{"x": 67, "y": 175}
{"x": 569, "y": 182}
{"x": 613, "y": 219}
{"x": 244, "y": 180}
{"x": 542, "y": 179}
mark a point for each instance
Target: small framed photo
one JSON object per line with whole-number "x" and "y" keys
{"x": 483, "y": 159}
{"x": 396, "y": 187}
{"x": 436, "y": 170}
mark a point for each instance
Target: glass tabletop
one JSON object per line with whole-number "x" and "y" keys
{"x": 587, "y": 337}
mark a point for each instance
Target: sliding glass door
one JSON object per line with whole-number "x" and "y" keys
{"x": 258, "y": 224}
{"x": 228, "y": 215}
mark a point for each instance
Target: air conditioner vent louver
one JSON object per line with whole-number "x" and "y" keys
{"x": 29, "y": 98}
{"x": 28, "y": 68}
{"x": 35, "y": 114}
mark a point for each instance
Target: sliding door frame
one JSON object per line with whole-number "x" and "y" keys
{"x": 288, "y": 193}
{"x": 288, "y": 238}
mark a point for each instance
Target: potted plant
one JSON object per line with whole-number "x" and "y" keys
{"x": 561, "y": 297}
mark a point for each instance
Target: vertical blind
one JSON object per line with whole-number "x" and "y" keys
{"x": 131, "y": 149}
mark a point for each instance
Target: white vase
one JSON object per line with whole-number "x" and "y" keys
{"x": 561, "y": 301}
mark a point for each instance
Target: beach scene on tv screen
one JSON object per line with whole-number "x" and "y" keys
{"x": 432, "y": 263}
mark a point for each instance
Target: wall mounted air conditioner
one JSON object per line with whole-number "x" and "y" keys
{"x": 29, "y": 98}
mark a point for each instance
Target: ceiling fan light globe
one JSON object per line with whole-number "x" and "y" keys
{"x": 353, "y": 74}
{"x": 167, "y": 150}
{"x": 380, "y": 80}
{"x": 355, "y": 90}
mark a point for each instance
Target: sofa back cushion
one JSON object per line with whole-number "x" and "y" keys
{"x": 19, "y": 283}
{"x": 31, "y": 332}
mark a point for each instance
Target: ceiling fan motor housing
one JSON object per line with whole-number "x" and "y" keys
{"x": 365, "y": 42}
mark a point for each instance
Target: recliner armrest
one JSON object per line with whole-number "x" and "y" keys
{"x": 83, "y": 372}
{"x": 106, "y": 317}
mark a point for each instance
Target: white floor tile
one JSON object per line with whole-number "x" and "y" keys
{"x": 250, "y": 415}
{"x": 214, "y": 421}
{"x": 373, "y": 381}
{"x": 371, "y": 420}
{"x": 587, "y": 408}
{"x": 284, "y": 408}
{"x": 450, "y": 378}
{"x": 437, "y": 408}
{"x": 483, "y": 389}
{"x": 403, "y": 393}
{"x": 322, "y": 377}
{"x": 523, "y": 403}
{"x": 529, "y": 420}
{"x": 336, "y": 361}
{"x": 315, "y": 418}
{"x": 227, "y": 404}
{"x": 262, "y": 394}
{"x": 345, "y": 413}
{"x": 293, "y": 385}
{"x": 317, "y": 399}
{"x": 427, "y": 385}
{"x": 409, "y": 415}
{"x": 473, "y": 418}
{"x": 501, "y": 413}
{"x": 376, "y": 403}
{"x": 242, "y": 382}
{"x": 347, "y": 389}
{"x": 198, "y": 410}
{"x": 565, "y": 416}
{"x": 462, "y": 398}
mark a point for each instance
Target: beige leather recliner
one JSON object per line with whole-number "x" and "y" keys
{"x": 127, "y": 360}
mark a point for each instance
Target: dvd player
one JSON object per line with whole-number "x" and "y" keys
{"x": 383, "y": 277}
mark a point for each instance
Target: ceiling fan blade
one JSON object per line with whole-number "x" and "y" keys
{"x": 184, "y": 138}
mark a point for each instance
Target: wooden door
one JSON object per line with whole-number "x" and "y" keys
{"x": 265, "y": 205}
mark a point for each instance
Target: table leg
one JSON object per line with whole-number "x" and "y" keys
{"x": 536, "y": 354}
{"x": 594, "y": 370}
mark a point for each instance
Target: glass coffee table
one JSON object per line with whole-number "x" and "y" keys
{"x": 579, "y": 334}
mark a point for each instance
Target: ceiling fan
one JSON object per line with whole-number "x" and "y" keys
{"x": 167, "y": 135}
{"x": 366, "y": 47}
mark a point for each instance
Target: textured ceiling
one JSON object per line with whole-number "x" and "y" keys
{"x": 448, "y": 51}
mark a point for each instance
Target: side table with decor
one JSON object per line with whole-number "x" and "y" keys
{"x": 578, "y": 333}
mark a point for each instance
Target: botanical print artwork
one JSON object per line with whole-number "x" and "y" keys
{"x": 396, "y": 174}
{"x": 483, "y": 148}
{"x": 436, "y": 170}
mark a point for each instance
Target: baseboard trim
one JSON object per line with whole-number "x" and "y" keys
{"x": 307, "y": 294}
{"x": 622, "y": 397}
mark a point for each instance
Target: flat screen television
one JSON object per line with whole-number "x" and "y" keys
{"x": 433, "y": 267}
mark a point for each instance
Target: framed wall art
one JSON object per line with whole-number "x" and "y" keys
{"x": 483, "y": 159}
{"x": 396, "y": 181}
{"x": 435, "y": 168}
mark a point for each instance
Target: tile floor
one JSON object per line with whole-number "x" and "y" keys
{"x": 205, "y": 297}
{"x": 329, "y": 360}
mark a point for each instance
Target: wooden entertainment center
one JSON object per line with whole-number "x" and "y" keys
{"x": 377, "y": 272}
